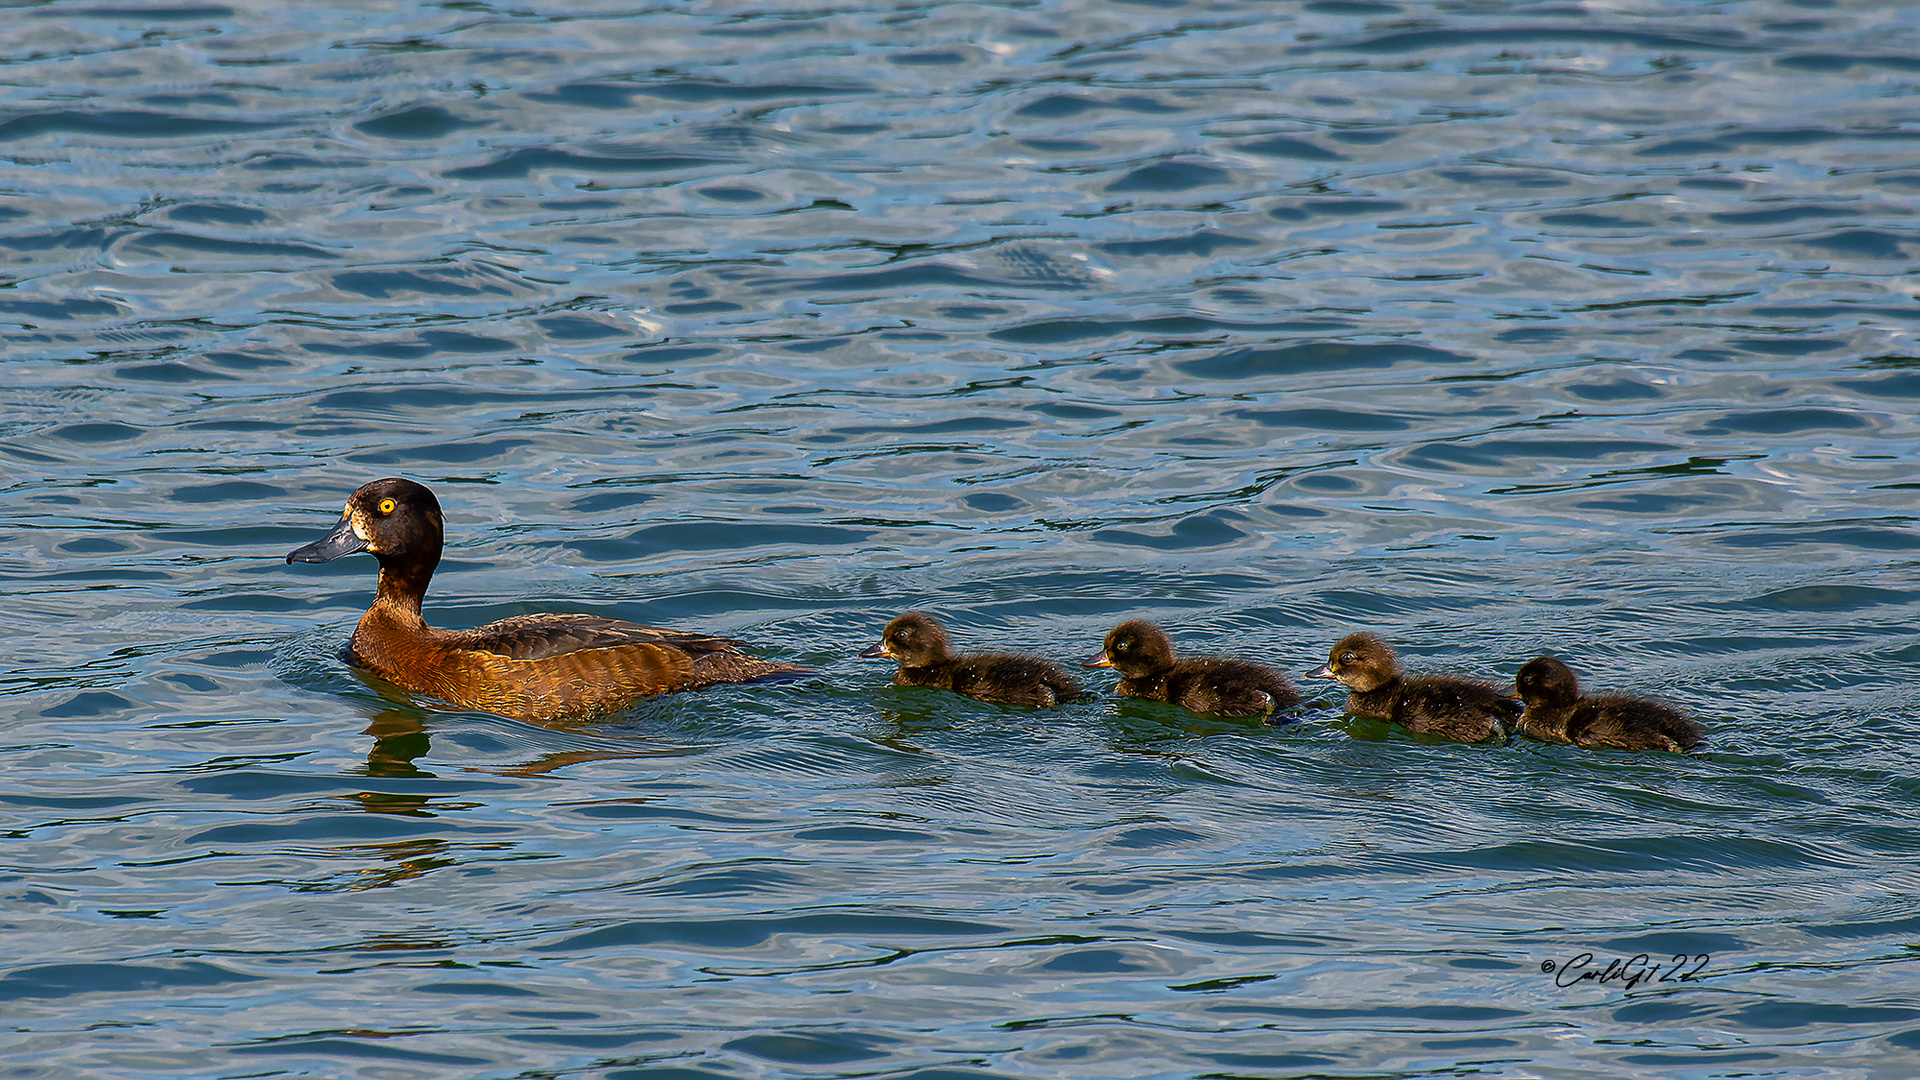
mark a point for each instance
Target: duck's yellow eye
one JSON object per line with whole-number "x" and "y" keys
{"x": 386, "y": 506}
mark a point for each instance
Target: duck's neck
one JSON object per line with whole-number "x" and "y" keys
{"x": 401, "y": 590}
{"x": 932, "y": 673}
{"x": 1377, "y": 702}
{"x": 1546, "y": 721}
{"x": 393, "y": 628}
{"x": 403, "y": 583}
{"x": 1147, "y": 684}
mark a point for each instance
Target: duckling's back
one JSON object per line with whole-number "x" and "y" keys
{"x": 1458, "y": 709}
{"x": 1227, "y": 688}
{"x": 1011, "y": 679}
{"x": 1625, "y": 723}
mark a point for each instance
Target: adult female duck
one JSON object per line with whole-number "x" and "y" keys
{"x": 531, "y": 667}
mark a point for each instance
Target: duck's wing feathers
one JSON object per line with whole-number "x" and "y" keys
{"x": 1631, "y": 724}
{"x": 1453, "y": 708}
{"x": 1012, "y": 679}
{"x": 542, "y": 637}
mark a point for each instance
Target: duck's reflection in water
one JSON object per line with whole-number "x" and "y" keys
{"x": 402, "y": 735}
{"x": 399, "y": 736}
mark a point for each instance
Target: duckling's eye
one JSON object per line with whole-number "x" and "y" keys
{"x": 386, "y": 506}
{"x": 1347, "y": 658}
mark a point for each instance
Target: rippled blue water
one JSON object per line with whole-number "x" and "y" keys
{"x": 1494, "y": 328}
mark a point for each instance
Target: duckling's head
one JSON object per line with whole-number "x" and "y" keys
{"x": 1136, "y": 648}
{"x": 1544, "y": 682}
{"x": 1362, "y": 662}
{"x": 913, "y": 639}
{"x": 396, "y": 521}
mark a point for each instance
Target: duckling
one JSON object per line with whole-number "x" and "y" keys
{"x": 1557, "y": 712}
{"x": 1458, "y": 709}
{"x": 531, "y": 667}
{"x": 917, "y": 641}
{"x": 1143, "y": 655}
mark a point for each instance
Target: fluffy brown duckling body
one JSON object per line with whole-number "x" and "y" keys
{"x": 1143, "y": 655}
{"x": 531, "y": 667}
{"x": 918, "y": 643}
{"x": 1558, "y": 712}
{"x": 1459, "y": 709}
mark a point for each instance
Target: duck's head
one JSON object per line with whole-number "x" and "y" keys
{"x": 913, "y": 639}
{"x": 396, "y": 521}
{"x": 1136, "y": 648}
{"x": 1362, "y": 662}
{"x": 1544, "y": 682}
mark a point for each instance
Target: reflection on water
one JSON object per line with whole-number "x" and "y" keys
{"x": 1498, "y": 330}
{"x": 399, "y": 736}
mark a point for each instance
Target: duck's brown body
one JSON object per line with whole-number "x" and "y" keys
{"x": 1463, "y": 710}
{"x": 532, "y": 667}
{"x": 545, "y": 667}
